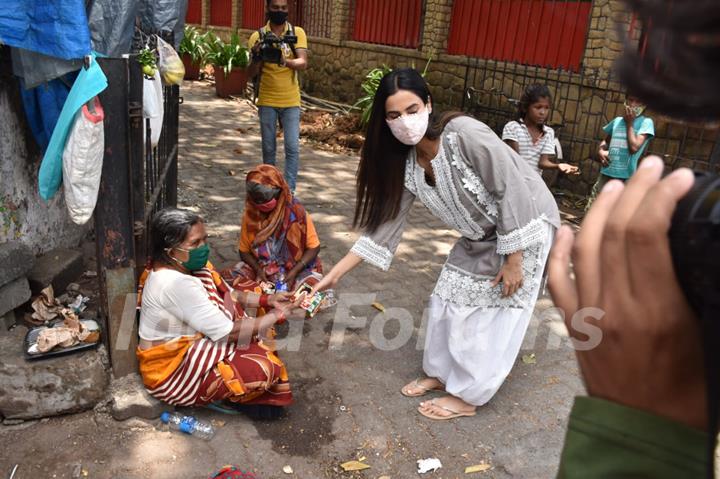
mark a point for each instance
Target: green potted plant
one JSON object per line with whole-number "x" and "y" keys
{"x": 229, "y": 60}
{"x": 370, "y": 86}
{"x": 193, "y": 52}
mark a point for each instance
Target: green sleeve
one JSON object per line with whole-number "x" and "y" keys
{"x": 607, "y": 440}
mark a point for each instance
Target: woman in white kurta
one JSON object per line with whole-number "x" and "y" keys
{"x": 468, "y": 178}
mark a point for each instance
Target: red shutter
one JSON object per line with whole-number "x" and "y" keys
{"x": 253, "y": 16}
{"x": 395, "y": 22}
{"x": 547, "y": 33}
{"x": 221, "y": 13}
{"x": 194, "y": 12}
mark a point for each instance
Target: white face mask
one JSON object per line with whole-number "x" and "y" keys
{"x": 410, "y": 129}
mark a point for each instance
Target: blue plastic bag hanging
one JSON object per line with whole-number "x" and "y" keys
{"x": 89, "y": 83}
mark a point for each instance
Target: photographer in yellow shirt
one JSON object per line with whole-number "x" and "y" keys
{"x": 279, "y": 51}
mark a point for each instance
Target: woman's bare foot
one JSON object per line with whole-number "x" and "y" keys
{"x": 447, "y": 407}
{"x": 420, "y": 387}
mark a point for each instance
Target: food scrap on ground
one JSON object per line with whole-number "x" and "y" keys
{"x": 72, "y": 332}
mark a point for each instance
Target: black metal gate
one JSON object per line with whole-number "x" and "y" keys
{"x": 137, "y": 180}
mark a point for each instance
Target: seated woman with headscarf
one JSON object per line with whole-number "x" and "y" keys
{"x": 197, "y": 345}
{"x": 278, "y": 242}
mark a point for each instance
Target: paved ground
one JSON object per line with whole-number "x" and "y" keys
{"x": 347, "y": 400}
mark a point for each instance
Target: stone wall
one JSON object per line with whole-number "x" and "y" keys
{"x": 604, "y": 43}
{"x": 24, "y": 216}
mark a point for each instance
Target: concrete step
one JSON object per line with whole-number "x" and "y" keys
{"x": 58, "y": 267}
{"x": 16, "y": 260}
{"x": 14, "y": 294}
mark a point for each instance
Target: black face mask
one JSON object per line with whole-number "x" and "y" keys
{"x": 278, "y": 18}
{"x": 260, "y": 194}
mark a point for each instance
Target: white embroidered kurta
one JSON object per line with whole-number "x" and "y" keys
{"x": 485, "y": 191}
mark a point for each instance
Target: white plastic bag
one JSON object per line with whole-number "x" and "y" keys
{"x": 153, "y": 107}
{"x": 170, "y": 65}
{"x": 83, "y": 160}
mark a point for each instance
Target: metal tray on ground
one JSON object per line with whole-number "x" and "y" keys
{"x": 32, "y": 335}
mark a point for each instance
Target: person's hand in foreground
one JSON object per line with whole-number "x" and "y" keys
{"x": 649, "y": 356}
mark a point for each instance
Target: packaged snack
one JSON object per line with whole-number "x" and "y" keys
{"x": 307, "y": 302}
{"x": 311, "y": 304}
{"x": 303, "y": 290}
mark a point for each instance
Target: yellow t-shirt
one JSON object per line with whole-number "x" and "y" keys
{"x": 279, "y": 86}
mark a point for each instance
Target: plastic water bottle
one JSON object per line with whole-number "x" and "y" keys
{"x": 280, "y": 284}
{"x": 188, "y": 425}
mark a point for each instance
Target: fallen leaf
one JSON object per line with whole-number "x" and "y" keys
{"x": 354, "y": 466}
{"x": 379, "y": 307}
{"x": 477, "y": 468}
{"x": 287, "y": 470}
{"x": 529, "y": 358}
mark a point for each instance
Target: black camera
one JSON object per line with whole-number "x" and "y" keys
{"x": 271, "y": 47}
{"x": 695, "y": 242}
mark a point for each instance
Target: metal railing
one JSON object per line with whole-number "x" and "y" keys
{"x": 315, "y": 17}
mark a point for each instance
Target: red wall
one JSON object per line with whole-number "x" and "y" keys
{"x": 546, "y": 33}
{"x": 395, "y": 22}
{"x": 194, "y": 12}
{"x": 221, "y": 13}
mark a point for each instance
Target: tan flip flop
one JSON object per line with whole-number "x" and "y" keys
{"x": 453, "y": 414}
{"x": 416, "y": 385}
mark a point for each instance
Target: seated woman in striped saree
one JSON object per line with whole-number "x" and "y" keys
{"x": 197, "y": 345}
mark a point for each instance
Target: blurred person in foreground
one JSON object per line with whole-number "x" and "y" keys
{"x": 646, "y": 414}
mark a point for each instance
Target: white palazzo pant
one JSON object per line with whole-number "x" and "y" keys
{"x": 472, "y": 349}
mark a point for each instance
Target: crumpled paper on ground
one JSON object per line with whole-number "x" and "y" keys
{"x": 46, "y": 306}
{"x": 427, "y": 465}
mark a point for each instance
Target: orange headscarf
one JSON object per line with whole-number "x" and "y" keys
{"x": 288, "y": 217}
{"x": 262, "y": 225}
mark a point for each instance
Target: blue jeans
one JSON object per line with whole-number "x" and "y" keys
{"x": 290, "y": 118}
